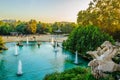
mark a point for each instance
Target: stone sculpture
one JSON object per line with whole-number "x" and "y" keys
{"x": 102, "y": 59}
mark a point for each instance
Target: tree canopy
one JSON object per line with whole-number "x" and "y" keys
{"x": 86, "y": 38}
{"x": 33, "y": 27}
{"x": 104, "y": 14}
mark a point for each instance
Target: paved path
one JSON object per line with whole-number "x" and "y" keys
{"x": 59, "y": 38}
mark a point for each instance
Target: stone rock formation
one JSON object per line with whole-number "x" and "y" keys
{"x": 102, "y": 59}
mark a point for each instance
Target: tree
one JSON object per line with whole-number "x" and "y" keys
{"x": 85, "y": 39}
{"x": 22, "y": 28}
{"x": 102, "y": 13}
{"x": 2, "y": 46}
{"x": 39, "y": 27}
{"x": 65, "y": 27}
{"x": 5, "y": 29}
{"x": 55, "y": 26}
{"x": 31, "y": 26}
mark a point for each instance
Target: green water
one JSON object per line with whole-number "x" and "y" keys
{"x": 37, "y": 61}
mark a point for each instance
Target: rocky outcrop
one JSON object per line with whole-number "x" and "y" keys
{"x": 102, "y": 59}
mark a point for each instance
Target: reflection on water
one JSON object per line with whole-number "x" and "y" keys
{"x": 2, "y": 70}
{"x": 37, "y": 61}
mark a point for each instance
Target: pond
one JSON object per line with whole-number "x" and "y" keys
{"x": 37, "y": 61}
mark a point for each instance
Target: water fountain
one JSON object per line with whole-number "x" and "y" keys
{"x": 38, "y": 43}
{"x": 76, "y": 57}
{"x": 56, "y": 49}
{"x": 27, "y": 41}
{"x": 16, "y": 50}
{"x": 19, "y": 73}
{"x": 52, "y": 41}
{"x": 44, "y": 54}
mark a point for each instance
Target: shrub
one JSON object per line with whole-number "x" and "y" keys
{"x": 2, "y": 46}
{"x": 78, "y": 73}
{"x": 71, "y": 74}
{"x": 1, "y": 43}
{"x": 86, "y": 38}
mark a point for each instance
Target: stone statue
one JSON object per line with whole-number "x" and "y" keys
{"x": 102, "y": 59}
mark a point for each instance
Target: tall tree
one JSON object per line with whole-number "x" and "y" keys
{"x": 22, "y": 28}
{"x": 5, "y": 29}
{"x": 102, "y": 13}
{"x": 32, "y": 26}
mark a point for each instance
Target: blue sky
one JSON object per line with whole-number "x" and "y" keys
{"x": 42, "y": 10}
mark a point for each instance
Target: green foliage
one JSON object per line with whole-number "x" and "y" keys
{"x": 32, "y": 27}
{"x": 22, "y": 28}
{"x": 71, "y": 41}
{"x": 39, "y": 28}
{"x": 1, "y": 43}
{"x": 5, "y": 29}
{"x": 77, "y": 73}
{"x": 86, "y": 38}
{"x": 116, "y": 58}
{"x": 2, "y": 47}
{"x": 99, "y": 14}
{"x": 65, "y": 27}
{"x": 115, "y": 75}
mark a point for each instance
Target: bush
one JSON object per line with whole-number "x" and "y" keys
{"x": 71, "y": 74}
{"x": 2, "y": 46}
{"x": 78, "y": 73}
{"x": 86, "y": 38}
{"x": 1, "y": 43}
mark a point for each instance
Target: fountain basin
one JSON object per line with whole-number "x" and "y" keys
{"x": 36, "y": 61}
